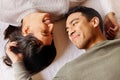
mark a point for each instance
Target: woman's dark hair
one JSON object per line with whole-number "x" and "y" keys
{"x": 89, "y": 13}
{"x": 36, "y": 57}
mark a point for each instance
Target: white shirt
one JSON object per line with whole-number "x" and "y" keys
{"x": 13, "y": 11}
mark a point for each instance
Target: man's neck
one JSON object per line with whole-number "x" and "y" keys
{"x": 96, "y": 41}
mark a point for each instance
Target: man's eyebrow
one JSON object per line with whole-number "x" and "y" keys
{"x": 73, "y": 20}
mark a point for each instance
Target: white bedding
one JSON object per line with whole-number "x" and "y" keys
{"x": 65, "y": 50}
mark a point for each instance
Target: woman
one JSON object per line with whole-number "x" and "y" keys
{"x": 42, "y": 30}
{"x": 31, "y": 46}
{"x": 33, "y": 53}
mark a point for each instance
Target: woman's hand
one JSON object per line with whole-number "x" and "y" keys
{"x": 111, "y": 26}
{"x": 14, "y": 57}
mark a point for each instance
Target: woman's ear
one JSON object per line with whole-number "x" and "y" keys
{"x": 25, "y": 30}
{"x": 95, "y": 22}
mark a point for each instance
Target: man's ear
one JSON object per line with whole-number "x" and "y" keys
{"x": 95, "y": 22}
{"x": 25, "y": 30}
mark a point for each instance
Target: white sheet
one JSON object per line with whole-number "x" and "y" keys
{"x": 6, "y": 72}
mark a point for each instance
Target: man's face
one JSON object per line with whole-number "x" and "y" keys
{"x": 39, "y": 24}
{"x": 79, "y": 30}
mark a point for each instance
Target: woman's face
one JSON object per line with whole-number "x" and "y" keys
{"x": 40, "y": 26}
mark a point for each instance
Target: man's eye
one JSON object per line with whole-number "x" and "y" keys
{"x": 74, "y": 23}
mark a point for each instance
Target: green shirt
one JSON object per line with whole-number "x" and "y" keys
{"x": 101, "y": 62}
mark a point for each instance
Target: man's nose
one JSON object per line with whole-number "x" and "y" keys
{"x": 71, "y": 32}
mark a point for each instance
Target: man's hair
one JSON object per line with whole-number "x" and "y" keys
{"x": 36, "y": 57}
{"x": 89, "y": 13}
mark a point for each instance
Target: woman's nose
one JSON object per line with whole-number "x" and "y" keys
{"x": 51, "y": 27}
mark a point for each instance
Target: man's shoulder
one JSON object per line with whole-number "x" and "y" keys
{"x": 115, "y": 42}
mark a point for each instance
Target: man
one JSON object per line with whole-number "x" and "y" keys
{"x": 101, "y": 60}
